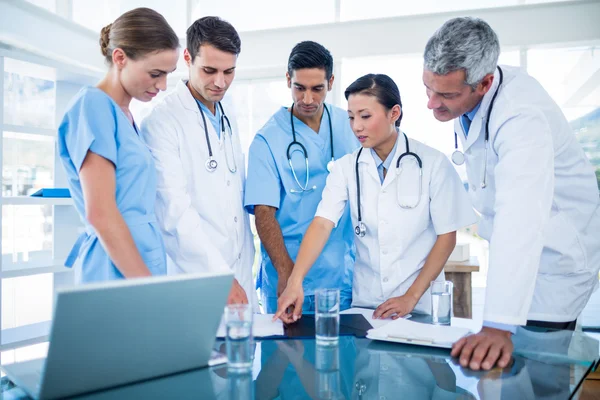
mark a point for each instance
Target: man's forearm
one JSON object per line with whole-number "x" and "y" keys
{"x": 271, "y": 238}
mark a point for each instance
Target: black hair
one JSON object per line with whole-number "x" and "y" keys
{"x": 215, "y": 32}
{"x": 380, "y": 86}
{"x": 309, "y": 54}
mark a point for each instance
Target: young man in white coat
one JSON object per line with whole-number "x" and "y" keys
{"x": 530, "y": 181}
{"x": 194, "y": 140}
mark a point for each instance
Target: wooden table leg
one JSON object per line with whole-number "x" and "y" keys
{"x": 462, "y": 294}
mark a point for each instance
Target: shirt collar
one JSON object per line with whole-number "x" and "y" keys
{"x": 471, "y": 114}
{"x": 207, "y": 111}
{"x": 388, "y": 161}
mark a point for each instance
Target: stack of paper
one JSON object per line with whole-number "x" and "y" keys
{"x": 409, "y": 332}
{"x": 262, "y": 326}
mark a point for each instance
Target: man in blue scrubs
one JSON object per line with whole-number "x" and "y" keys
{"x": 284, "y": 199}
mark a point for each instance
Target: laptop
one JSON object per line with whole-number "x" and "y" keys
{"x": 114, "y": 333}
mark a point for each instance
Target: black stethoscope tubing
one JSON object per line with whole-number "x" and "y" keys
{"x": 211, "y": 163}
{"x": 360, "y": 229}
{"x": 296, "y": 142}
{"x": 487, "y": 133}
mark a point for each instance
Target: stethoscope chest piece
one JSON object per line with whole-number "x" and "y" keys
{"x": 360, "y": 229}
{"x": 211, "y": 165}
{"x": 458, "y": 157}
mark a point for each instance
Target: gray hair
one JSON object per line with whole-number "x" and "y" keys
{"x": 463, "y": 43}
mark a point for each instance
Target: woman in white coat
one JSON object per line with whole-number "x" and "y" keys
{"x": 194, "y": 140}
{"x": 405, "y": 220}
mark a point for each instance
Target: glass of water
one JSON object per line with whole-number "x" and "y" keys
{"x": 238, "y": 322}
{"x": 327, "y": 316}
{"x": 441, "y": 302}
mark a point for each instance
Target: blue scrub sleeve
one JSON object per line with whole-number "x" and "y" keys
{"x": 263, "y": 183}
{"x": 91, "y": 125}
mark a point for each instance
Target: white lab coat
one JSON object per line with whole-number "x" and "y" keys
{"x": 540, "y": 209}
{"x": 201, "y": 213}
{"x": 393, "y": 251}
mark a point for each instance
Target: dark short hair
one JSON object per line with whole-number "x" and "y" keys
{"x": 137, "y": 32}
{"x": 215, "y": 32}
{"x": 310, "y": 55}
{"x": 380, "y": 86}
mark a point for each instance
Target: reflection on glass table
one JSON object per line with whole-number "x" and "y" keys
{"x": 547, "y": 365}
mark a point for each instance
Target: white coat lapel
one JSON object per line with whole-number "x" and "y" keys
{"x": 478, "y": 124}
{"x": 186, "y": 98}
{"x": 391, "y": 174}
{"x": 190, "y": 104}
{"x": 367, "y": 163}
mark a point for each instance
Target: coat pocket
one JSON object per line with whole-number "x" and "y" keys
{"x": 563, "y": 253}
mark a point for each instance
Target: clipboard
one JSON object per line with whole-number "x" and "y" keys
{"x": 350, "y": 325}
{"x": 52, "y": 192}
{"x": 416, "y": 333}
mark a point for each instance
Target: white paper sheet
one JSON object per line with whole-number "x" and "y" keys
{"x": 368, "y": 314}
{"x": 261, "y": 326}
{"x": 410, "y": 332}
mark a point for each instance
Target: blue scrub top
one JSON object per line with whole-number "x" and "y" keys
{"x": 94, "y": 122}
{"x": 270, "y": 182}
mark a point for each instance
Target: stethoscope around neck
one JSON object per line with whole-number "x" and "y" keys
{"x": 458, "y": 156}
{"x": 300, "y": 147}
{"x": 212, "y": 164}
{"x": 361, "y": 229}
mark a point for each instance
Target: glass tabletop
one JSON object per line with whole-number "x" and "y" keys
{"x": 547, "y": 365}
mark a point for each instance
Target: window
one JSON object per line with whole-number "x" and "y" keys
{"x": 360, "y": 10}
{"x": 96, "y": 15}
{"x": 267, "y": 14}
{"x": 255, "y": 101}
{"x": 49, "y": 5}
{"x": 572, "y": 85}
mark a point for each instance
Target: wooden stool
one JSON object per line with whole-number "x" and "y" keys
{"x": 459, "y": 273}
